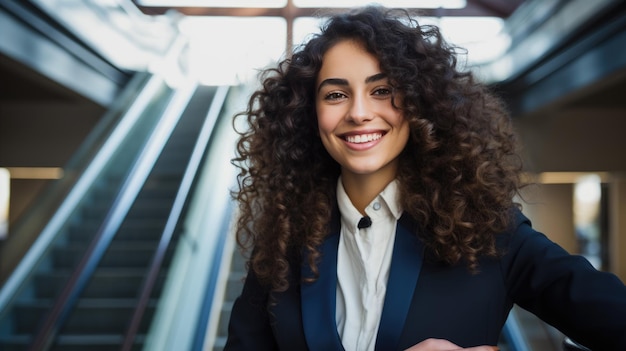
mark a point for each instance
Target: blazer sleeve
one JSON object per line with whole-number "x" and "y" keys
{"x": 249, "y": 326}
{"x": 565, "y": 290}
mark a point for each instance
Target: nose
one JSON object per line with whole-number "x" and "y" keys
{"x": 360, "y": 111}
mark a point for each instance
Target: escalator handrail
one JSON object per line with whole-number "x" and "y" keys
{"x": 513, "y": 333}
{"x": 571, "y": 345}
{"x": 175, "y": 213}
{"x": 115, "y": 215}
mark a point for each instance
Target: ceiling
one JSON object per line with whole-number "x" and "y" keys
{"x": 28, "y": 85}
{"x": 483, "y": 8}
{"x": 490, "y": 8}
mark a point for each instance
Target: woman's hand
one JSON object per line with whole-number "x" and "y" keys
{"x": 445, "y": 345}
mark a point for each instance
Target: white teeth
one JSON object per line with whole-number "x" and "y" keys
{"x": 363, "y": 138}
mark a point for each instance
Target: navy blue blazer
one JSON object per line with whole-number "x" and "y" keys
{"x": 428, "y": 299}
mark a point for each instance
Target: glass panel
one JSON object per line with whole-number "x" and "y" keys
{"x": 5, "y": 189}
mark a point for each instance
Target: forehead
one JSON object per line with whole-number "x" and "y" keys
{"x": 348, "y": 57}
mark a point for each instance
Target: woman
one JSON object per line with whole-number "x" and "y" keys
{"x": 376, "y": 192}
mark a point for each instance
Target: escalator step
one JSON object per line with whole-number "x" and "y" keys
{"x": 134, "y": 230}
{"x": 119, "y": 255}
{"x": 111, "y": 282}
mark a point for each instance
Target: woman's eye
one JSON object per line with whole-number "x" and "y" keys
{"x": 382, "y": 91}
{"x": 334, "y": 96}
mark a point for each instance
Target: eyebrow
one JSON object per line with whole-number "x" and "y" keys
{"x": 341, "y": 81}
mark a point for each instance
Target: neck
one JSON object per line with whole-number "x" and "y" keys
{"x": 362, "y": 189}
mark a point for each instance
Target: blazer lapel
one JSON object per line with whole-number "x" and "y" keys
{"x": 318, "y": 299}
{"x": 406, "y": 264}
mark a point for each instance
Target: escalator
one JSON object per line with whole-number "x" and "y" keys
{"x": 83, "y": 290}
{"x": 123, "y": 251}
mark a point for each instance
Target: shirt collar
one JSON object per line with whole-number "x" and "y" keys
{"x": 386, "y": 204}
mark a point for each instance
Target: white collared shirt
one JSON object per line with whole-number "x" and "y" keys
{"x": 363, "y": 260}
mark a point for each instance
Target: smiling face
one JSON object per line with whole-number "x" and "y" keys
{"x": 357, "y": 123}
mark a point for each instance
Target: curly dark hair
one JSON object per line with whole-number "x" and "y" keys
{"x": 458, "y": 174}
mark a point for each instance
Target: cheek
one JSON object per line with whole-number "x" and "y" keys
{"x": 405, "y": 131}
{"x": 399, "y": 120}
{"x": 396, "y": 119}
{"x": 325, "y": 128}
{"x": 325, "y": 122}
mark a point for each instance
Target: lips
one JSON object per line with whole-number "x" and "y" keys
{"x": 362, "y": 138}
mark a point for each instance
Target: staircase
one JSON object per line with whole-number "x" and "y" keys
{"x": 100, "y": 318}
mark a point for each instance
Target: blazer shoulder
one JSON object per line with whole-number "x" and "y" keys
{"x": 519, "y": 227}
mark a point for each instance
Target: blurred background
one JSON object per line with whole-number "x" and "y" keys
{"x": 116, "y": 138}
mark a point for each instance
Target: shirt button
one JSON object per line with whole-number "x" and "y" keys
{"x": 376, "y": 206}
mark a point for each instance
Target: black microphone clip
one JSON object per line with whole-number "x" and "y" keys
{"x": 365, "y": 222}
